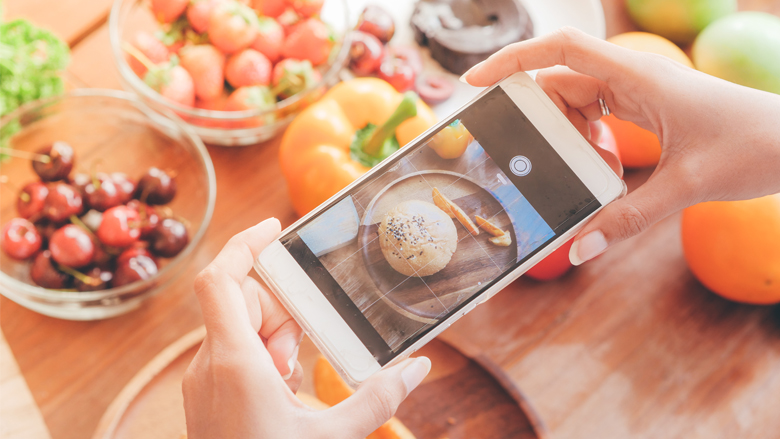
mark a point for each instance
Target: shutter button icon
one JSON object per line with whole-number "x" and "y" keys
{"x": 520, "y": 165}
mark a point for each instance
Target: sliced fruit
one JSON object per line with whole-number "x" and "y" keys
{"x": 454, "y": 211}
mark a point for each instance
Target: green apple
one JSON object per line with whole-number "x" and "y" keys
{"x": 743, "y": 48}
{"x": 678, "y": 20}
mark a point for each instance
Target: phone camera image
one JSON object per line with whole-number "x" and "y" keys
{"x": 437, "y": 225}
{"x": 411, "y": 245}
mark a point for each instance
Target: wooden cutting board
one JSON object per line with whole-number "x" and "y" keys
{"x": 461, "y": 398}
{"x": 474, "y": 263}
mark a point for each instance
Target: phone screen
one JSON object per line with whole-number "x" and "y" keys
{"x": 390, "y": 257}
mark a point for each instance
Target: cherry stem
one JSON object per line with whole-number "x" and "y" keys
{"x": 77, "y": 221}
{"x": 137, "y": 54}
{"x": 93, "y": 174}
{"x": 89, "y": 280}
{"x": 43, "y": 158}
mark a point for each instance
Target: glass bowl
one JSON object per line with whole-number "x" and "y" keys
{"x": 227, "y": 128}
{"x": 116, "y": 132}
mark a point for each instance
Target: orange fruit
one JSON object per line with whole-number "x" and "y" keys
{"x": 651, "y": 43}
{"x": 639, "y": 147}
{"x": 733, "y": 247}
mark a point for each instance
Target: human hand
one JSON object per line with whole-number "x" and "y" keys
{"x": 234, "y": 386}
{"x": 720, "y": 141}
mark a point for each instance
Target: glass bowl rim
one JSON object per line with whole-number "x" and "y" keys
{"x": 139, "y": 86}
{"x": 85, "y": 296}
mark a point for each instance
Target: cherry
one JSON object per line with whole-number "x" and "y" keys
{"x": 157, "y": 186}
{"x": 137, "y": 249}
{"x": 60, "y": 162}
{"x": 62, "y": 201}
{"x": 80, "y": 181}
{"x": 408, "y": 54}
{"x": 20, "y": 239}
{"x": 169, "y": 238}
{"x": 377, "y": 22}
{"x": 102, "y": 194}
{"x": 397, "y": 72}
{"x": 365, "y": 53}
{"x": 45, "y": 275}
{"x": 148, "y": 215}
{"x": 72, "y": 246}
{"x": 46, "y": 229}
{"x": 133, "y": 268}
{"x": 94, "y": 280}
{"x": 102, "y": 259}
{"x": 121, "y": 226}
{"x": 434, "y": 89}
{"x": 31, "y": 199}
{"x": 125, "y": 186}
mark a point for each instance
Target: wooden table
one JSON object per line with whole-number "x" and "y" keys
{"x": 630, "y": 345}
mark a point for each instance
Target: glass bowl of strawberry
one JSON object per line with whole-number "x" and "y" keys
{"x": 90, "y": 221}
{"x": 237, "y": 71}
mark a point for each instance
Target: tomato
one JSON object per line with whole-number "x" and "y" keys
{"x": 555, "y": 265}
{"x": 451, "y": 142}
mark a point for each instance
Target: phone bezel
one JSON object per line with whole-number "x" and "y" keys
{"x": 320, "y": 320}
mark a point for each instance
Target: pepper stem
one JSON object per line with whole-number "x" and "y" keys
{"x": 407, "y": 109}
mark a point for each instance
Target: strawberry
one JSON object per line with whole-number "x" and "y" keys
{"x": 167, "y": 11}
{"x": 217, "y": 104}
{"x": 173, "y": 82}
{"x": 306, "y": 8}
{"x": 198, "y": 13}
{"x": 270, "y": 37}
{"x": 151, "y": 47}
{"x": 269, "y": 8}
{"x": 292, "y": 76}
{"x": 179, "y": 33}
{"x": 232, "y": 26}
{"x": 248, "y": 67}
{"x": 206, "y": 66}
{"x": 251, "y": 98}
{"x": 288, "y": 20}
{"x": 311, "y": 40}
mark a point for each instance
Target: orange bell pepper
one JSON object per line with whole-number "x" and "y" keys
{"x": 334, "y": 141}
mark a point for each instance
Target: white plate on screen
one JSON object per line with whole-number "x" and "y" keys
{"x": 547, "y": 16}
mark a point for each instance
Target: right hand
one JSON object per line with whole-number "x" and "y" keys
{"x": 720, "y": 141}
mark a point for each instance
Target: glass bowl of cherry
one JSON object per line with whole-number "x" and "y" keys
{"x": 93, "y": 213}
{"x": 237, "y": 71}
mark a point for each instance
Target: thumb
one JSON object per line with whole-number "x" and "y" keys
{"x": 658, "y": 198}
{"x": 377, "y": 399}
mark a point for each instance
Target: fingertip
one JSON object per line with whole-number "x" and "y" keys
{"x": 272, "y": 224}
{"x": 415, "y": 372}
{"x": 588, "y": 247}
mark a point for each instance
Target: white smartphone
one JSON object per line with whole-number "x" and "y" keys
{"x": 385, "y": 265}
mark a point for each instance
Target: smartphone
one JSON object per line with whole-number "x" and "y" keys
{"x": 437, "y": 228}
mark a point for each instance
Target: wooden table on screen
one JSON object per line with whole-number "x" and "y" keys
{"x": 629, "y": 345}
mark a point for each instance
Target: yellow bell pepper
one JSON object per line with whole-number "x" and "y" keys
{"x": 334, "y": 141}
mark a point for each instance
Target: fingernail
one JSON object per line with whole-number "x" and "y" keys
{"x": 465, "y": 75}
{"x": 587, "y": 247}
{"x": 414, "y": 373}
{"x": 287, "y": 347}
{"x": 291, "y": 363}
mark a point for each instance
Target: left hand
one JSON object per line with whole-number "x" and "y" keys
{"x": 241, "y": 382}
